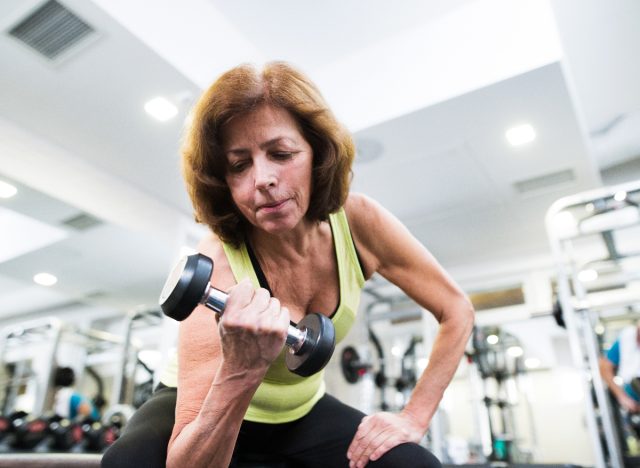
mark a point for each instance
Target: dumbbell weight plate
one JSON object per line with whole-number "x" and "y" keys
{"x": 317, "y": 348}
{"x": 185, "y": 286}
{"x": 349, "y": 363}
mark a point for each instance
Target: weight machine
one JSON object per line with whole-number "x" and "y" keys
{"x": 19, "y": 346}
{"x": 577, "y": 226}
{"x": 496, "y": 365}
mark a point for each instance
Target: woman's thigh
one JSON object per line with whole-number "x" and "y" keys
{"x": 322, "y": 438}
{"x": 143, "y": 443}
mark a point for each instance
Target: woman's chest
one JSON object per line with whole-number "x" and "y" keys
{"x": 307, "y": 290}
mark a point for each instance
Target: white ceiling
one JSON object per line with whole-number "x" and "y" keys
{"x": 433, "y": 84}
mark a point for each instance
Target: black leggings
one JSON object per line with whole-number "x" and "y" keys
{"x": 319, "y": 439}
{"x": 143, "y": 443}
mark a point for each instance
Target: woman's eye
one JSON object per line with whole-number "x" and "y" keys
{"x": 282, "y": 154}
{"x": 237, "y": 167}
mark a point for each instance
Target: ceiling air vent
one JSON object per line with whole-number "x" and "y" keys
{"x": 546, "y": 181}
{"x": 51, "y": 30}
{"x": 82, "y": 222}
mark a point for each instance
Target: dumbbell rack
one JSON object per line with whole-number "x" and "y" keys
{"x": 579, "y": 312}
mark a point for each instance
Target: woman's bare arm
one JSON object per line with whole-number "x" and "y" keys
{"x": 220, "y": 367}
{"x": 388, "y": 248}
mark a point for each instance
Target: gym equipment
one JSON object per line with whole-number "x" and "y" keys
{"x": 65, "y": 434}
{"x": 352, "y": 367}
{"x": 98, "y": 437}
{"x": 124, "y": 382}
{"x": 7, "y": 425}
{"x": 29, "y": 431}
{"x": 311, "y": 343}
{"x": 594, "y": 218}
{"x": 29, "y": 350}
{"x": 143, "y": 391}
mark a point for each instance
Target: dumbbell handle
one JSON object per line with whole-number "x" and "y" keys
{"x": 216, "y": 300}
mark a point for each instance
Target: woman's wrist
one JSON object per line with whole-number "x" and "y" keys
{"x": 245, "y": 378}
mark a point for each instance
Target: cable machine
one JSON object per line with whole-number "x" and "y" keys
{"x": 588, "y": 222}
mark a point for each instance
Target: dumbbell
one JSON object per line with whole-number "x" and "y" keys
{"x": 65, "y": 434}
{"x": 310, "y": 343}
{"x": 352, "y": 367}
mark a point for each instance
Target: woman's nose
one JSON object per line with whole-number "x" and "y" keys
{"x": 264, "y": 174}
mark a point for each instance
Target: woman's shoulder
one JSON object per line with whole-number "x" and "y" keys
{"x": 364, "y": 217}
{"x": 213, "y": 247}
{"x": 364, "y": 214}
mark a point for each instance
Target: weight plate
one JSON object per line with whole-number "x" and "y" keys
{"x": 185, "y": 286}
{"x": 318, "y": 347}
{"x": 349, "y": 363}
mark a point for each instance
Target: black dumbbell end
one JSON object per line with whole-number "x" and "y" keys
{"x": 318, "y": 346}
{"x": 185, "y": 286}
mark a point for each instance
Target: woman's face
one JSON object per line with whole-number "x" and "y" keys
{"x": 268, "y": 168}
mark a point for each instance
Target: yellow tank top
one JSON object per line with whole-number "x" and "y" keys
{"x": 284, "y": 396}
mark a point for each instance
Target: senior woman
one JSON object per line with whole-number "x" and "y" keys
{"x": 268, "y": 169}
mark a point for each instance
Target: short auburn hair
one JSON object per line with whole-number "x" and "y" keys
{"x": 239, "y": 91}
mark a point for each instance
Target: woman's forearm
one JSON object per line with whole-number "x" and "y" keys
{"x": 209, "y": 440}
{"x": 446, "y": 353}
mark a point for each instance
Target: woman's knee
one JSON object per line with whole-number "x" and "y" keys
{"x": 407, "y": 454}
{"x": 144, "y": 440}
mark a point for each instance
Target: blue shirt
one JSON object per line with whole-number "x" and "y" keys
{"x": 613, "y": 355}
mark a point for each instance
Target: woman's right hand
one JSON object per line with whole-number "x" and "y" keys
{"x": 253, "y": 328}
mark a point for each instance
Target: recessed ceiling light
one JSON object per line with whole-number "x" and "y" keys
{"x": 520, "y": 135}
{"x": 7, "y": 190}
{"x": 45, "y": 279}
{"x": 161, "y": 108}
{"x": 493, "y": 339}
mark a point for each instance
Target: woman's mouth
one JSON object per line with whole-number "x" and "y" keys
{"x": 272, "y": 207}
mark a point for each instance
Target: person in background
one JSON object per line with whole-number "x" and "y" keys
{"x": 68, "y": 403}
{"x": 623, "y": 360}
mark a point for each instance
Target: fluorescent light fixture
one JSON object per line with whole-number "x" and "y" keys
{"x": 7, "y": 190}
{"x": 588, "y": 275}
{"x": 161, "y": 108}
{"x": 21, "y": 234}
{"x": 493, "y": 339}
{"x": 520, "y": 135}
{"x": 45, "y": 279}
{"x": 515, "y": 351}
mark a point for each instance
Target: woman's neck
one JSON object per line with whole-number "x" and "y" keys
{"x": 289, "y": 246}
